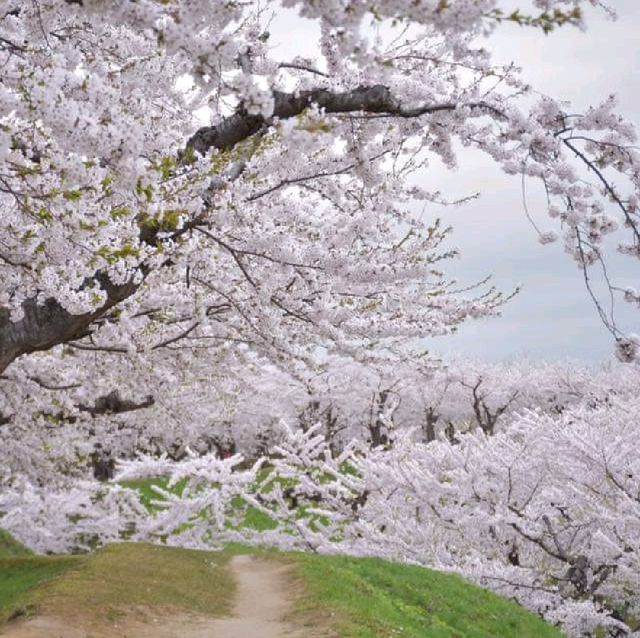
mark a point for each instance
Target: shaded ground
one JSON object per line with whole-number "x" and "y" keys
{"x": 261, "y": 601}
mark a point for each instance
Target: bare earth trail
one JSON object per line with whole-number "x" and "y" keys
{"x": 263, "y": 599}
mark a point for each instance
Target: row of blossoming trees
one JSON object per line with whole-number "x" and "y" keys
{"x": 171, "y": 293}
{"x": 524, "y": 478}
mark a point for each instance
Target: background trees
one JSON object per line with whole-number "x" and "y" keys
{"x": 544, "y": 509}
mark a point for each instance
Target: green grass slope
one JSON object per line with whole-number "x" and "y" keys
{"x": 18, "y": 578}
{"x": 20, "y": 572}
{"x": 9, "y": 546}
{"x": 371, "y": 598}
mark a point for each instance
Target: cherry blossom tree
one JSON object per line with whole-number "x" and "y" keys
{"x": 206, "y": 247}
{"x": 127, "y": 229}
{"x": 542, "y": 508}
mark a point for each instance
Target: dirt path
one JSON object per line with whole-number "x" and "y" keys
{"x": 262, "y": 600}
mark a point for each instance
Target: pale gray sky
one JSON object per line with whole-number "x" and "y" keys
{"x": 553, "y": 317}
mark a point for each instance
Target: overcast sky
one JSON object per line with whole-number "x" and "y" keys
{"x": 553, "y": 317}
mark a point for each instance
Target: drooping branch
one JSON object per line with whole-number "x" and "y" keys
{"x": 48, "y": 324}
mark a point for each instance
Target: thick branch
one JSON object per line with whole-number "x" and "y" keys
{"x": 112, "y": 403}
{"x": 48, "y": 324}
{"x": 369, "y": 99}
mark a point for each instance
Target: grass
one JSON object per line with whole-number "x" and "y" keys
{"x": 9, "y": 546}
{"x": 105, "y": 585}
{"x": 244, "y": 516}
{"x": 370, "y": 598}
{"x": 253, "y": 518}
{"x": 20, "y": 571}
{"x": 354, "y": 597}
{"x": 19, "y": 575}
{"x": 144, "y": 487}
{"x": 137, "y": 575}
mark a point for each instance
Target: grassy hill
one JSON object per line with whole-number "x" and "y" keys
{"x": 9, "y": 546}
{"x": 365, "y": 598}
{"x": 372, "y": 598}
{"x": 20, "y": 572}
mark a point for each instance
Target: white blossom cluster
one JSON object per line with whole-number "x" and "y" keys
{"x": 546, "y": 511}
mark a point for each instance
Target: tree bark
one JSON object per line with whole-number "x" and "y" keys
{"x": 113, "y": 403}
{"x": 46, "y": 325}
{"x": 368, "y": 99}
